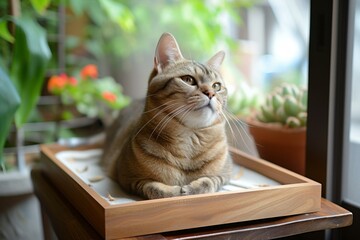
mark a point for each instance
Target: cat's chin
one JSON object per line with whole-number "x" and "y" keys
{"x": 200, "y": 118}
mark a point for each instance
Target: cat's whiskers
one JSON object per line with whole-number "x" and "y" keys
{"x": 229, "y": 117}
{"x": 235, "y": 118}
{"x": 162, "y": 105}
{"x": 156, "y": 115}
{"x": 183, "y": 109}
{"x": 193, "y": 99}
{"x": 160, "y": 123}
{"x": 228, "y": 123}
{"x": 238, "y": 123}
{"x": 234, "y": 138}
{"x": 167, "y": 118}
{"x": 191, "y": 108}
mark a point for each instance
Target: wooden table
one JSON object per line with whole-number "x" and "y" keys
{"x": 69, "y": 224}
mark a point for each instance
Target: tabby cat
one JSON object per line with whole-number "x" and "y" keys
{"x": 173, "y": 143}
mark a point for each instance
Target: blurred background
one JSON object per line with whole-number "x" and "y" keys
{"x": 75, "y": 63}
{"x": 266, "y": 43}
{"x": 68, "y": 66}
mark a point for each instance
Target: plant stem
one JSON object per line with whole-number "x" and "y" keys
{"x": 14, "y": 10}
{"x": 20, "y": 156}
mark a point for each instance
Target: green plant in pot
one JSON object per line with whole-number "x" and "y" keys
{"x": 279, "y": 127}
{"x": 22, "y": 74}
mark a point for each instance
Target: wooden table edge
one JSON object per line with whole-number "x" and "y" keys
{"x": 330, "y": 216}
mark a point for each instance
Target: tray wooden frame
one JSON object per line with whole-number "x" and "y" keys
{"x": 296, "y": 195}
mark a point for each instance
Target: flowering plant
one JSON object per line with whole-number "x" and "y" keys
{"x": 91, "y": 95}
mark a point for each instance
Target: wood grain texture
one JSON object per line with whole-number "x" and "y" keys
{"x": 69, "y": 224}
{"x": 85, "y": 199}
{"x": 66, "y": 220}
{"x": 330, "y": 216}
{"x": 297, "y": 195}
{"x": 268, "y": 169}
{"x": 212, "y": 209}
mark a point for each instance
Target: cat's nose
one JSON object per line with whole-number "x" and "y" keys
{"x": 209, "y": 94}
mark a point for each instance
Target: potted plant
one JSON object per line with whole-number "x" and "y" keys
{"x": 25, "y": 68}
{"x": 91, "y": 95}
{"x": 24, "y": 57}
{"x": 279, "y": 127}
{"x": 10, "y": 102}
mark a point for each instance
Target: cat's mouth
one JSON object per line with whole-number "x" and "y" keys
{"x": 206, "y": 106}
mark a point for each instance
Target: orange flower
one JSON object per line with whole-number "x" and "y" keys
{"x": 72, "y": 81}
{"x": 63, "y": 75}
{"x": 57, "y": 83}
{"x": 89, "y": 71}
{"x": 109, "y": 96}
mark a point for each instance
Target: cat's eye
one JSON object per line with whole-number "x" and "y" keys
{"x": 189, "y": 80}
{"x": 216, "y": 86}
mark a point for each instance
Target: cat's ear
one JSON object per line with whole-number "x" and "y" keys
{"x": 167, "y": 51}
{"x": 216, "y": 61}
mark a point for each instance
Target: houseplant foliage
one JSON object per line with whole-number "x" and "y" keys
{"x": 122, "y": 31}
{"x": 286, "y": 105}
{"x": 279, "y": 127}
{"x": 24, "y": 66}
{"x": 31, "y": 55}
{"x": 10, "y": 102}
{"x": 92, "y": 96}
{"x": 242, "y": 99}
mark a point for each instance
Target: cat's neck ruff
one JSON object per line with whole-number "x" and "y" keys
{"x": 201, "y": 118}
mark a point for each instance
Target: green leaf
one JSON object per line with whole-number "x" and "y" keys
{"x": 291, "y": 107}
{"x": 286, "y": 90}
{"x": 304, "y": 99}
{"x": 261, "y": 118}
{"x": 268, "y": 114}
{"x": 95, "y": 13}
{"x": 119, "y": 14}
{"x": 280, "y": 115}
{"x": 235, "y": 102}
{"x": 4, "y": 32}
{"x": 77, "y": 6}
{"x": 30, "y": 58}
{"x": 302, "y": 116}
{"x": 277, "y": 101}
{"x": 293, "y": 122}
{"x": 9, "y": 102}
{"x": 40, "y": 5}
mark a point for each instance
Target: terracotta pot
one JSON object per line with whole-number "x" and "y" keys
{"x": 283, "y": 146}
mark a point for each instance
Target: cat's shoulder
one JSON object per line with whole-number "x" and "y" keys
{"x": 127, "y": 116}
{"x": 133, "y": 110}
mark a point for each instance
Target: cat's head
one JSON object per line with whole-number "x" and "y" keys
{"x": 190, "y": 92}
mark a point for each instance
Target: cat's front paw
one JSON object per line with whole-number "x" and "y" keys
{"x": 186, "y": 190}
{"x": 201, "y": 185}
{"x": 155, "y": 190}
{"x": 191, "y": 190}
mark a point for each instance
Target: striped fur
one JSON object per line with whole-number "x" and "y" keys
{"x": 172, "y": 143}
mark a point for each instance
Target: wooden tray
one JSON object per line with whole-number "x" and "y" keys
{"x": 296, "y": 195}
